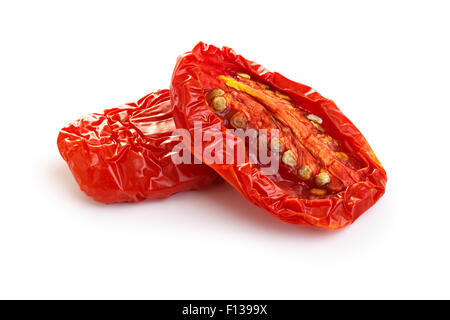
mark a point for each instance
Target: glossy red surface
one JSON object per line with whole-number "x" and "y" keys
{"x": 123, "y": 154}
{"x": 335, "y": 210}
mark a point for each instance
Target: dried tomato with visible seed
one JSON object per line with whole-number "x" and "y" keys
{"x": 328, "y": 174}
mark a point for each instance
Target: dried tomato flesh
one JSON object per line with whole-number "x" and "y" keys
{"x": 266, "y": 108}
{"x": 328, "y": 175}
{"x": 123, "y": 154}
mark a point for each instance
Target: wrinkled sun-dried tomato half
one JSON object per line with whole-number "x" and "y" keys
{"x": 328, "y": 174}
{"x": 124, "y": 153}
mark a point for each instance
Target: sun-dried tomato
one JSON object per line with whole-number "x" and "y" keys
{"x": 124, "y": 153}
{"x": 328, "y": 174}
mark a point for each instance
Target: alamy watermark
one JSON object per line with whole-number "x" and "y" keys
{"x": 233, "y": 146}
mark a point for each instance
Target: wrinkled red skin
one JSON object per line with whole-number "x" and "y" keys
{"x": 332, "y": 211}
{"x": 124, "y": 153}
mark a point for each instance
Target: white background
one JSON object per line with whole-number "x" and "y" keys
{"x": 386, "y": 65}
